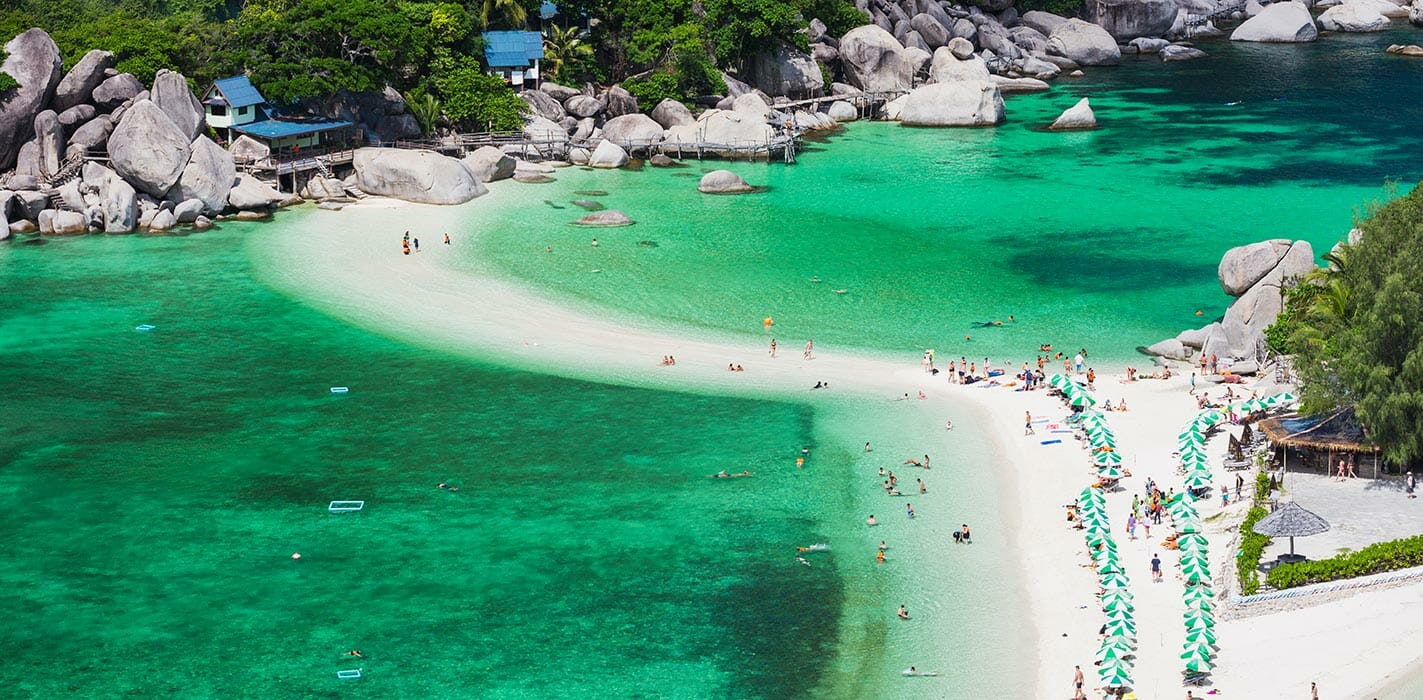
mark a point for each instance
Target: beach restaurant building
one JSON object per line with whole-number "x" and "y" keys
{"x": 234, "y": 107}
{"x": 514, "y": 56}
{"x": 1317, "y": 443}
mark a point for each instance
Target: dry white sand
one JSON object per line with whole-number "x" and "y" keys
{"x": 350, "y": 265}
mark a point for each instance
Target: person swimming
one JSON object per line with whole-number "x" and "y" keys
{"x": 802, "y": 560}
{"x": 903, "y": 613}
{"x": 356, "y": 653}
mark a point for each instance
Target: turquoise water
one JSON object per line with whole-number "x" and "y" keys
{"x": 1106, "y": 239}
{"x": 154, "y": 485}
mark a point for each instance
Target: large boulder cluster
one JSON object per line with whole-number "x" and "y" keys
{"x": 1257, "y": 275}
{"x": 91, "y": 150}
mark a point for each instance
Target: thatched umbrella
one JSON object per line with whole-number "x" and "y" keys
{"x": 1291, "y": 521}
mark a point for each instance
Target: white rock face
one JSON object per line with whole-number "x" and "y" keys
{"x": 723, "y": 182}
{"x": 148, "y": 150}
{"x": 842, "y": 111}
{"x": 721, "y": 127}
{"x": 488, "y": 164}
{"x": 208, "y": 176}
{"x": 874, "y": 60}
{"x": 1281, "y": 22}
{"x": 964, "y": 103}
{"x": 415, "y": 176}
{"x": 1085, "y": 43}
{"x": 1353, "y": 17}
{"x": 250, "y": 193}
{"x": 948, "y": 68}
{"x": 170, "y": 92}
{"x": 1242, "y": 266}
{"x": 632, "y": 129}
{"x": 120, "y": 206}
{"x": 1078, "y": 116}
{"x": 669, "y": 113}
{"x": 541, "y": 129}
{"x": 608, "y": 155}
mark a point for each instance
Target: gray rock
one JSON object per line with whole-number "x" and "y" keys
{"x": 73, "y": 117}
{"x": 202, "y": 223}
{"x": 1044, "y": 22}
{"x": 207, "y": 177}
{"x": 670, "y": 113}
{"x": 62, "y": 223}
{"x": 31, "y": 203}
{"x": 1085, "y": 43}
{"x": 993, "y": 37}
{"x": 842, "y": 111}
{"x": 115, "y": 91}
{"x": 994, "y": 5}
{"x": 245, "y": 149}
{"x": 488, "y": 164}
{"x": 605, "y": 219}
{"x": 1176, "y": 52}
{"x": 558, "y": 92}
{"x": 120, "y": 206}
{"x": 1170, "y": 349}
{"x": 608, "y": 155}
{"x": 78, "y": 84}
{"x": 874, "y": 61}
{"x": 250, "y": 193}
{"x": 1012, "y": 86}
{"x": 253, "y": 215}
{"x": 584, "y": 129}
{"x": 394, "y": 127}
{"x": 415, "y": 176}
{"x": 816, "y": 30}
{"x": 961, "y": 48}
{"x": 331, "y": 206}
{"x": 1028, "y": 39}
{"x": 721, "y": 127}
{"x": 5, "y": 231}
{"x": 1062, "y": 62}
{"x": 578, "y": 155}
{"x": 917, "y": 58}
{"x": 946, "y": 68}
{"x": 1415, "y": 14}
{"x": 543, "y": 104}
{"x": 1241, "y": 267}
{"x": 962, "y": 103}
{"x": 1353, "y": 17}
{"x": 930, "y": 30}
{"x": 148, "y": 150}
{"x": 824, "y": 53}
{"x": 631, "y": 130}
{"x": 188, "y": 211}
{"x": 964, "y": 29}
{"x": 1281, "y": 22}
{"x": 33, "y": 61}
{"x": 1038, "y": 68}
{"x": 1136, "y": 18}
{"x": 50, "y": 137}
{"x": 1196, "y": 338}
{"x": 659, "y": 160}
{"x": 723, "y": 182}
{"x": 170, "y": 92}
{"x": 751, "y": 105}
{"x": 23, "y": 226}
{"x": 94, "y": 134}
{"x": 28, "y": 162}
{"x": 1078, "y": 116}
{"x": 583, "y": 106}
{"x": 619, "y": 102}
{"x": 1148, "y": 45}
{"x": 543, "y": 130}
{"x": 787, "y": 71}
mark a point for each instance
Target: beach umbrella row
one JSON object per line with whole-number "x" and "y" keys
{"x": 1197, "y": 654}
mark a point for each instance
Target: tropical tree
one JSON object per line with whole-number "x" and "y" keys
{"x": 562, "y": 46}
{"x": 425, "y": 108}
{"x": 475, "y": 100}
{"x": 510, "y": 13}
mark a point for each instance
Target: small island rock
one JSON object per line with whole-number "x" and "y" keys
{"x": 605, "y": 219}
{"x": 723, "y": 182}
{"x": 1078, "y": 116}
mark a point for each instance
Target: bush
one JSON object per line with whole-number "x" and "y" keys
{"x": 1373, "y": 559}
{"x": 1262, "y": 488}
{"x": 653, "y": 89}
{"x": 7, "y": 83}
{"x": 1252, "y": 547}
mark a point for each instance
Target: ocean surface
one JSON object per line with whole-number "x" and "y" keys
{"x": 154, "y": 485}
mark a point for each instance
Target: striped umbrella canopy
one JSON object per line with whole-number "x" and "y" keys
{"x": 1192, "y": 555}
{"x": 1097, "y": 537}
{"x": 1057, "y": 381}
{"x": 1204, "y": 634}
{"x": 1107, "y": 652}
{"x": 1197, "y": 479}
{"x": 1107, "y": 550}
{"x": 1102, "y": 440}
{"x": 1082, "y": 399}
{"x": 1097, "y": 521}
{"x": 1197, "y": 568}
{"x": 1091, "y": 494}
{"x": 1195, "y": 460}
{"x": 1193, "y": 433}
{"x": 1196, "y": 656}
{"x": 1199, "y": 647}
{"x": 1202, "y": 604}
{"x": 1281, "y": 398}
{"x": 1117, "y": 604}
{"x": 1199, "y": 592}
{"x": 1107, "y": 458}
{"x": 1117, "y": 594}
{"x": 1116, "y": 580}
{"x": 1096, "y": 529}
{"x": 1123, "y": 628}
{"x": 1119, "y": 641}
{"x": 1183, "y": 509}
{"x": 1200, "y": 575}
{"x": 1110, "y": 471}
{"x": 1199, "y": 665}
{"x": 1196, "y": 619}
{"x": 1115, "y": 675}
{"x": 1188, "y": 525}
{"x": 1110, "y": 567}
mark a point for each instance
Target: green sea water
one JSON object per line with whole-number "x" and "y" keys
{"x": 1106, "y": 239}
{"x": 153, "y": 486}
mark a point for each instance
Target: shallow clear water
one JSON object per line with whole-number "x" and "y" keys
{"x": 154, "y": 485}
{"x": 1106, "y": 239}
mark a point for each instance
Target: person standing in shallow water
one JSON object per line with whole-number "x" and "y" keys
{"x": 773, "y": 348}
{"x": 809, "y": 346}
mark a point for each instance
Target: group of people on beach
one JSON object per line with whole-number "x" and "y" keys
{"x": 408, "y": 243}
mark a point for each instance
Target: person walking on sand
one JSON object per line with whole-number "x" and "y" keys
{"x": 773, "y": 348}
{"x": 809, "y": 346}
{"x": 1156, "y": 568}
{"x": 1313, "y": 691}
{"x": 447, "y": 239}
{"x": 417, "y": 245}
{"x": 1410, "y": 484}
{"x": 1077, "y": 681}
{"x": 1192, "y": 392}
{"x": 1028, "y": 423}
{"x": 922, "y": 488}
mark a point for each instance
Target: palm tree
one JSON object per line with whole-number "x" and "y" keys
{"x": 425, "y": 108}
{"x": 509, "y": 10}
{"x": 562, "y": 45}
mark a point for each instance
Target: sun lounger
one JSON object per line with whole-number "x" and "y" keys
{"x": 345, "y": 506}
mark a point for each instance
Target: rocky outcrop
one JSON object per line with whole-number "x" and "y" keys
{"x": 208, "y": 177}
{"x": 842, "y": 111}
{"x": 540, "y": 129}
{"x": 619, "y": 102}
{"x": 557, "y": 92}
{"x": 787, "y": 71}
{"x": 488, "y": 164}
{"x": 170, "y": 92}
{"x": 963, "y": 103}
{"x": 721, "y": 127}
{"x": 120, "y": 205}
{"x": 33, "y": 61}
{"x": 1128, "y": 19}
{"x": 1043, "y": 22}
{"x": 1176, "y": 52}
{"x": 723, "y": 182}
{"x": 1415, "y": 13}
{"x": 1405, "y": 50}
{"x": 1281, "y": 22}
{"x": 947, "y": 68}
{"x": 49, "y": 134}
{"x": 77, "y": 86}
{"x": 1078, "y": 116}
{"x": 1241, "y": 267}
{"x": 669, "y": 113}
{"x": 1085, "y": 43}
{"x": 583, "y": 106}
{"x": 1171, "y": 349}
{"x": 873, "y": 60}
{"x": 605, "y": 219}
{"x": 414, "y": 176}
{"x": 148, "y": 150}
{"x": 1353, "y": 17}
{"x": 632, "y": 130}
{"x": 543, "y": 104}
{"x": 608, "y": 155}
{"x": 250, "y": 193}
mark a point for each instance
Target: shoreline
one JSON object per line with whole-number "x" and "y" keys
{"x": 356, "y": 275}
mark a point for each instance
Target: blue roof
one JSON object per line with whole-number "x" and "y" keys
{"x": 512, "y": 49}
{"x": 238, "y": 91}
{"x": 279, "y": 128}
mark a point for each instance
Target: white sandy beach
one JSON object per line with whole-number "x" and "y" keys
{"x": 1349, "y": 646}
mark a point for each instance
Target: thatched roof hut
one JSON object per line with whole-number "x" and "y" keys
{"x": 1335, "y": 432}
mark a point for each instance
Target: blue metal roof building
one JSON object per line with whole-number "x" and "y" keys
{"x": 514, "y": 56}
{"x": 273, "y": 129}
{"x": 234, "y": 92}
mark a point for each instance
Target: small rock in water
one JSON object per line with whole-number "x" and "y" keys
{"x": 1076, "y": 74}
{"x": 647, "y": 244}
{"x": 605, "y": 219}
{"x": 723, "y": 182}
{"x": 661, "y": 160}
{"x": 1405, "y": 50}
{"x": 588, "y": 204}
{"x": 551, "y": 203}
{"x": 591, "y": 193}
{"x": 1078, "y": 116}
{"x": 1177, "y": 52}
{"x": 532, "y": 178}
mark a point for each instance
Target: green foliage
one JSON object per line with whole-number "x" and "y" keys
{"x": 425, "y": 108}
{"x": 741, "y": 28}
{"x": 564, "y": 48}
{"x": 1361, "y": 340}
{"x": 1262, "y": 488}
{"x": 477, "y": 101}
{"x": 7, "y": 81}
{"x": 826, "y": 77}
{"x": 1252, "y": 547}
{"x": 503, "y": 14}
{"x": 839, "y": 16}
{"x": 1299, "y": 300}
{"x": 1065, "y": 8}
{"x": 653, "y": 89}
{"x": 1373, "y": 559}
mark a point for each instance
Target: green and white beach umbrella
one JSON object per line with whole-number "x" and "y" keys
{"x": 1117, "y": 595}
{"x": 1279, "y": 399}
{"x": 1197, "y": 480}
{"x": 1117, "y": 604}
{"x": 1108, "y": 652}
{"x": 1201, "y": 604}
{"x": 1196, "y": 619}
{"x": 1082, "y": 399}
{"x": 1057, "y": 381}
{"x": 1107, "y": 458}
{"x": 1114, "y": 675}
{"x": 1199, "y": 665}
{"x": 1125, "y": 628}
{"x": 1111, "y": 566}
{"x": 1204, "y": 634}
{"x": 1199, "y": 591}
{"x": 1188, "y": 525}
{"x": 1116, "y": 580}
{"x": 1110, "y": 471}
